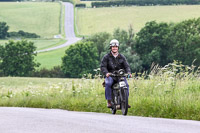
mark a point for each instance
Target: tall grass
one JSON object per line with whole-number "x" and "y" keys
{"x": 169, "y": 92}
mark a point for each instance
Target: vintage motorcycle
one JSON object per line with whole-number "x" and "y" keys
{"x": 119, "y": 92}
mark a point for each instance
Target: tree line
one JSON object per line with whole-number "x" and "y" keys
{"x": 156, "y": 43}
{"x": 20, "y": 34}
{"x": 144, "y": 3}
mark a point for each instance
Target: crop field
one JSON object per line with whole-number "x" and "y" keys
{"x": 93, "y": 20}
{"x": 37, "y": 17}
{"x": 163, "y": 95}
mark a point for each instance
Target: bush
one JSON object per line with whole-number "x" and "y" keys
{"x": 3, "y": 30}
{"x": 162, "y": 43}
{"x": 185, "y": 40}
{"x": 71, "y": 1}
{"x": 80, "y": 5}
{"x": 152, "y": 44}
{"x": 17, "y": 58}
{"x": 144, "y": 3}
{"x": 1, "y": 73}
{"x": 100, "y": 41}
{"x": 80, "y": 59}
{"x": 22, "y": 34}
{"x": 55, "y": 72}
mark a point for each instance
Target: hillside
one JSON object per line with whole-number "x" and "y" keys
{"x": 93, "y": 20}
{"x": 35, "y": 17}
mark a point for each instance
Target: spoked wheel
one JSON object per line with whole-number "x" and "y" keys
{"x": 124, "y": 102}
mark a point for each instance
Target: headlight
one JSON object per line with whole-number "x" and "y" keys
{"x": 121, "y": 72}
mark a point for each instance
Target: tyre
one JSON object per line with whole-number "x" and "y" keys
{"x": 124, "y": 102}
{"x": 113, "y": 108}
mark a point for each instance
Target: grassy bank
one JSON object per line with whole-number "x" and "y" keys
{"x": 93, "y": 20}
{"x": 163, "y": 95}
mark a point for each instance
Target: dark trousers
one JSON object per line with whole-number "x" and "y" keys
{"x": 108, "y": 83}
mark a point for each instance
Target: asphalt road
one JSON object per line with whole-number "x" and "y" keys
{"x": 32, "y": 120}
{"x": 69, "y": 28}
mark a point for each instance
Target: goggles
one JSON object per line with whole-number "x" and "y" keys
{"x": 114, "y": 44}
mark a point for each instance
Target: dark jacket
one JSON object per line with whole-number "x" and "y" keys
{"x": 110, "y": 64}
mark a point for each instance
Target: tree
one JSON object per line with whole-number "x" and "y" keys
{"x": 185, "y": 40}
{"x": 3, "y": 30}
{"x": 80, "y": 59}
{"x": 153, "y": 45}
{"x": 99, "y": 41}
{"x": 17, "y": 58}
{"x": 127, "y": 42}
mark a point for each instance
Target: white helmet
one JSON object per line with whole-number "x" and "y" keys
{"x": 114, "y": 42}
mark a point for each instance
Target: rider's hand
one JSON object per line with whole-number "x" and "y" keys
{"x": 107, "y": 75}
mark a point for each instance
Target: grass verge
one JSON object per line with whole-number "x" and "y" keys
{"x": 159, "y": 96}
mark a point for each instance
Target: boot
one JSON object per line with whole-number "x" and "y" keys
{"x": 109, "y": 105}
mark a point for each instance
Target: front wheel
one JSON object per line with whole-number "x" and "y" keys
{"x": 124, "y": 102}
{"x": 113, "y": 110}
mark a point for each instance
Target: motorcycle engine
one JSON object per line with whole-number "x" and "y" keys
{"x": 116, "y": 86}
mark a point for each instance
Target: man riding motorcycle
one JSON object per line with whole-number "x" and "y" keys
{"x": 111, "y": 62}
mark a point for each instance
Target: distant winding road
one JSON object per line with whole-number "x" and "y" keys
{"x": 69, "y": 28}
{"x": 32, "y": 120}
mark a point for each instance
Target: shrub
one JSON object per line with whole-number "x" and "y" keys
{"x": 22, "y": 34}
{"x": 55, "y": 72}
{"x": 80, "y": 5}
{"x": 144, "y": 3}
{"x": 3, "y": 30}
{"x": 17, "y": 58}
{"x": 80, "y": 59}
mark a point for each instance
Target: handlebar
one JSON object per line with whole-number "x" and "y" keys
{"x": 118, "y": 75}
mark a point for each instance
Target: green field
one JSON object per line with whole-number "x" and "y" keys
{"x": 41, "y": 18}
{"x": 163, "y": 95}
{"x": 47, "y": 59}
{"x": 41, "y": 43}
{"x": 51, "y": 58}
{"x": 93, "y": 20}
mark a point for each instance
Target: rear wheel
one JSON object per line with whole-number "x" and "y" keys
{"x": 124, "y": 102}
